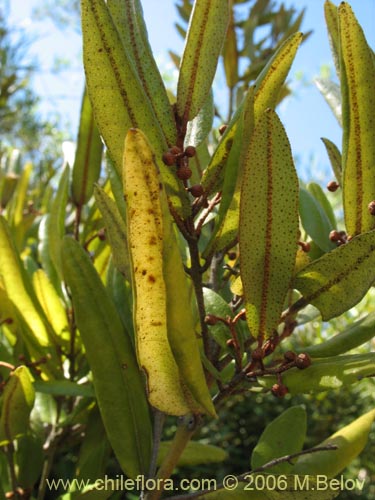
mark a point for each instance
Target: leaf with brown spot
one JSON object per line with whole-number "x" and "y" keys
{"x": 118, "y": 99}
{"x": 358, "y": 111}
{"x": 339, "y": 279}
{"x": 154, "y": 352}
{"x": 128, "y": 19}
{"x": 206, "y": 33}
{"x": 268, "y": 226}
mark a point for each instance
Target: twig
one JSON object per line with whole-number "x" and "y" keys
{"x": 215, "y": 200}
{"x": 196, "y": 276}
{"x": 159, "y": 419}
{"x": 268, "y": 465}
{"x": 183, "y": 435}
{"x": 289, "y": 458}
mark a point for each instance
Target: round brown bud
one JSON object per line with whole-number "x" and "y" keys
{"x": 371, "y": 207}
{"x": 210, "y": 319}
{"x": 279, "y": 390}
{"x": 184, "y": 173}
{"x": 190, "y": 151}
{"x": 175, "y": 150}
{"x": 196, "y": 190}
{"x": 257, "y": 354}
{"x": 169, "y": 158}
{"x": 302, "y": 361}
{"x": 332, "y": 186}
{"x": 343, "y": 236}
{"x": 334, "y": 235}
{"x": 290, "y": 356}
{"x": 305, "y": 246}
{"x": 222, "y": 129}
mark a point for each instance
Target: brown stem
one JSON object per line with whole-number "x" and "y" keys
{"x": 196, "y": 276}
{"x": 183, "y": 435}
{"x": 159, "y": 419}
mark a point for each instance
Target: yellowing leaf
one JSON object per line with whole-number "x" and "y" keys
{"x": 52, "y": 306}
{"x": 17, "y": 286}
{"x": 350, "y": 441}
{"x": 268, "y": 228}
{"x": 358, "y": 108}
{"x": 17, "y": 403}
{"x": 145, "y": 234}
{"x": 339, "y": 279}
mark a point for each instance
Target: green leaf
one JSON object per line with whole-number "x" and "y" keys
{"x": 268, "y": 229}
{"x": 358, "y": 108}
{"x": 206, "y": 33}
{"x": 315, "y": 221}
{"x": 334, "y": 156}
{"x": 119, "y": 289}
{"x": 195, "y": 453}
{"x": 350, "y": 440}
{"x": 326, "y": 374}
{"x": 216, "y": 305}
{"x": 277, "y": 440}
{"x": 115, "y": 230}
{"x": 117, "y": 380}
{"x": 339, "y": 279}
{"x": 88, "y": 158}
{"x": 64, "y": 388}
{"x": 230, "y": 53}
{"x": 119, "y": 100}
{"x": 29, "y": 471}
{"x": 356, "y": 334}
{"x": 44, "y": 253}
{"x": 17, "y": 403}
{"x": 318, "y": 193}
{"x": 56, "y": 220}
{"x": 95, "y": 449}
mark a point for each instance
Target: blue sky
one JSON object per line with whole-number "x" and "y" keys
{"x": 305, "y": 115}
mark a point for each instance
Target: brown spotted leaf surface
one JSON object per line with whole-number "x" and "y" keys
{"x": 358, "y": 109}
{"x": 268, "y": 224}
{"x": 339, "y": 279}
